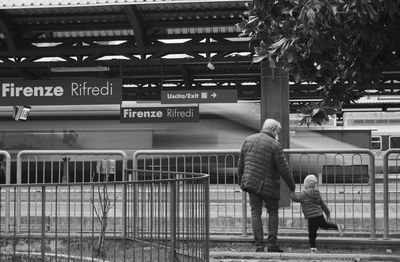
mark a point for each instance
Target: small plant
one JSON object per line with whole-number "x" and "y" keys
{"x": 101, "y": 209}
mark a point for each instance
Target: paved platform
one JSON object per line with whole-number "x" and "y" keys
{"x": 300, "y": 257}
{"x": 354, "y": 249}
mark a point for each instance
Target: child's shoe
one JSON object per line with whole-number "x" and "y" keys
{"x": 275, "y": 248}
{"x": 340, "y": 229}
{"x": 260, "y": 249}
{"x": 313, "y": 250}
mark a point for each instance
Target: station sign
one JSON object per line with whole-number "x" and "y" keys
{"x": 159, "y": 114}
{"x": 198, "y": 96}
{"x": 76, "y": 91}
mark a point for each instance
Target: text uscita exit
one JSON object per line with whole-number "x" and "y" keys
{"x": 183, "y": 96}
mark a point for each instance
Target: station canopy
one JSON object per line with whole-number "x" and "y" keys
{"x": 150, "y": 45}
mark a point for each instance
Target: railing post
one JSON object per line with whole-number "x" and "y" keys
{"x": 124, "y": 206}
{"x": 135, "y": 177}
{"x": 65, "y": 173}
{"x": 43, "y": 225}
{"x": 17, "y": 211}
{"x": 372, "y": 195}
{"x": 8, "y": 198}
{"x": 172, "y": 254}
{"x": 124, "y": 195}
{"x": 207, "y": 217}
{"x": 244, "y": 213}
{"x": 386, "y": 195}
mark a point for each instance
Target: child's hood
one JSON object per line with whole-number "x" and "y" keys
{"x": 310, "y": 181}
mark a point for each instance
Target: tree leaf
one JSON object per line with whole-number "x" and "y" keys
{"x": 311, "y": 15}
{"x": 290, "y": 57}
{"x": 258, "y": 59}
{"x": 352, "y": 42}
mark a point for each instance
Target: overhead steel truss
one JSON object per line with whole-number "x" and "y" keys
{"x": 150, "y": 46}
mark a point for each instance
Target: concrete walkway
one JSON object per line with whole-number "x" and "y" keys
{"x": 288, "y": 257}
{"x": 331, "y": 249}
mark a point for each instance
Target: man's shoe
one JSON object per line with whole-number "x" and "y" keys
{"x": 275, "y": 249}
{"x": 260, "y": 249}
{"x": 313, "y": 250}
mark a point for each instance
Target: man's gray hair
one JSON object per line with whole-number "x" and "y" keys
{"x": 271, "y": 125}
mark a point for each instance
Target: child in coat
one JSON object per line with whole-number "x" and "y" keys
{"x": 313, "y": 208}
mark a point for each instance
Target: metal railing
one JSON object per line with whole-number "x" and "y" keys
{"x": 347, "y": 178}
{"x": 170, "y": 206}
{"x": 391, "y": 186}
{"x": 83, "y": 220}
{"x": 346, "y": 182}
{"x": 6, "y": 170}
{"x": 70, "y": 166}
{"x": 226, "y": 199}
{"x": 6, "y": 165}
{"x": 54, "y": 166}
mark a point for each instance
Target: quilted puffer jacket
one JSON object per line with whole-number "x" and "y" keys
{"x": 311, "y": 203}
{"x": 261, "y": 164}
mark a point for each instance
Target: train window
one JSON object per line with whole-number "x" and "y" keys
{"x": 376, "y": 142}
{"x": 381, "y": 121}
{"x": 394, "y": 142}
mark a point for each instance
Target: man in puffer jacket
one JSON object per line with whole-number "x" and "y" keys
{"x": 261, "y": 164}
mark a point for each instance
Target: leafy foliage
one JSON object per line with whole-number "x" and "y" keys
{"x": 341, "y": 45}
{"x": 317, "y": 114}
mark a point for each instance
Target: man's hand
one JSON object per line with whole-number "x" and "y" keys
{"x": 292, "y": 194}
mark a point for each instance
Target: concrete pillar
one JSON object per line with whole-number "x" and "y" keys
{"x": 275, "y": 104}
{"x": 275, "y": 99}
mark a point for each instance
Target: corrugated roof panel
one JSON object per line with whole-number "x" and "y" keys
{"x": 67, "y": 34}
{"x": 202, "y": 30}
{"x": 54, "y": 10}
{"x": 69, "y": 19}
{"x": 12, "y": 4}
{"x": 379, "y": 99}
{"x": 125, "y": 32}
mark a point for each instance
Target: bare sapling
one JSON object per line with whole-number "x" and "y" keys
{"x": 101, "y": 209}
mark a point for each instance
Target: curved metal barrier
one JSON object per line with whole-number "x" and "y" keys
{"x": 170, "y": 211}
{"x": 6, "y": 171}
{"x": 69, "y": 182}
{"x": 69, "y": 166}
{"x": 346, "y": 182}
{"x": 77, "y": 208}
{"x": 347, "y": 178}
{"x": 226, "y": 199}
{"x": 391, "y": 186}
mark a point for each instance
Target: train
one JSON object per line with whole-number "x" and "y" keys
{"x": 98, "y": 127}
{"x": 384, "y": 125}
{"x": 385, "y": 133}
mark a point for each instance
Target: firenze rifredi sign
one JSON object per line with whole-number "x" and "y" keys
{"x": 60, "y": 92}
{"x": 159, "y": 114}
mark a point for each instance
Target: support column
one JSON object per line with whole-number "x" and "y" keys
{"x": 275, "y": 104}
{"x": 275, "y": 99}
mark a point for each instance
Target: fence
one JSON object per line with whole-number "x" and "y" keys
{"x": 74, "y": 209}
{"x": 367, "y": 203}
{"x": 391, "y": 186}
{"x": 5, "y": 165}
{"x": 347, "y": 178}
